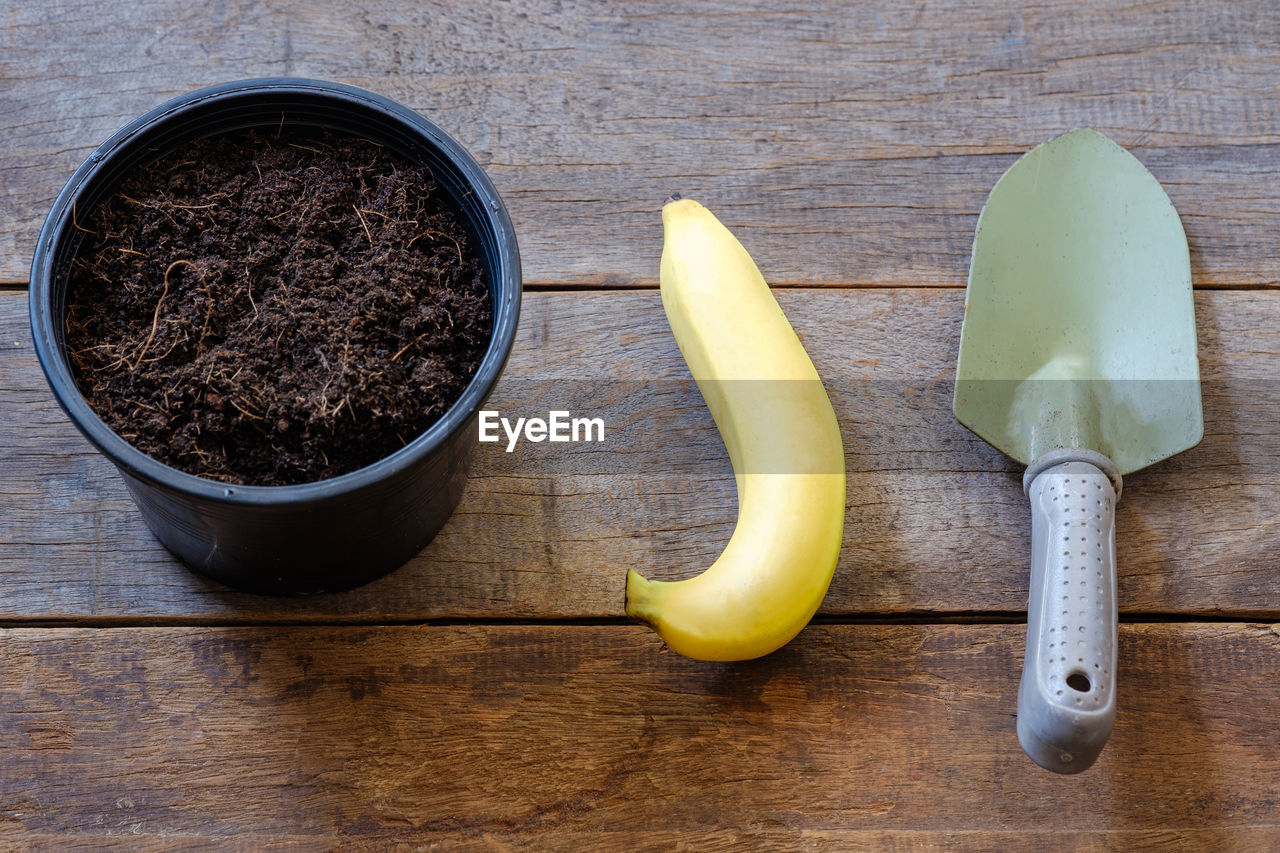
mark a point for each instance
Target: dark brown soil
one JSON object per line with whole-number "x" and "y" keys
{"x": 275, "y": 309}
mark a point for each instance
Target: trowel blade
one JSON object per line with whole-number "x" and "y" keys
{"x": 1079, "y": 326}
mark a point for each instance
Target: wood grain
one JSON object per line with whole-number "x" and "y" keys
{"x": 850, "y": 146}
{"x": 936, "y": 522}
{"x": 1238, "y": 839}
{"x": 553, "y": 738}
{"x": 845, "y": 143}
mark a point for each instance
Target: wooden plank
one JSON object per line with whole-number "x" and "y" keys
{"x": 735, "y": 840}
{"x": 844, "y": 142}
{"x": 531, "y": 737}
{"x": 937, "y": 522}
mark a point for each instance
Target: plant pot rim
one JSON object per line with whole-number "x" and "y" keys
{"x": 51, "y": 353}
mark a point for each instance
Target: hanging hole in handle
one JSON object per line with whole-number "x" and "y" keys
{"x": 1079, "y": 681}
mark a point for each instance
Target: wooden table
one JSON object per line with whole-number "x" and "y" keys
{"x": 491, "y": 694}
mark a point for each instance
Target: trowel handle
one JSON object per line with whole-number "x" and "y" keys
{"x": 1067, "y": 698}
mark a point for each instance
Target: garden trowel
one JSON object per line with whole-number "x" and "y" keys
{"x": 1078, "y": 359}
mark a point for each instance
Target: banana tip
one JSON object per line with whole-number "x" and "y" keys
{"x": 671, "y": 198}
{"x": 635, "y": 597}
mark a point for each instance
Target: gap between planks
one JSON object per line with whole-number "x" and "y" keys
{"x": 975, "y": 618}
{"x": 580, "y": 287}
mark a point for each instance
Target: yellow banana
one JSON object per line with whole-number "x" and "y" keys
{"x": 783, "y": 440}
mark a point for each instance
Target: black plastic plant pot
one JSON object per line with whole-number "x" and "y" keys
{"x": 316, "y": 537}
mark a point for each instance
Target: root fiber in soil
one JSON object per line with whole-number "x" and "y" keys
{"x": 273, "y": 308}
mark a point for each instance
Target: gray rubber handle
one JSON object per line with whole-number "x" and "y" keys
{"x": 1067, "y": 698}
